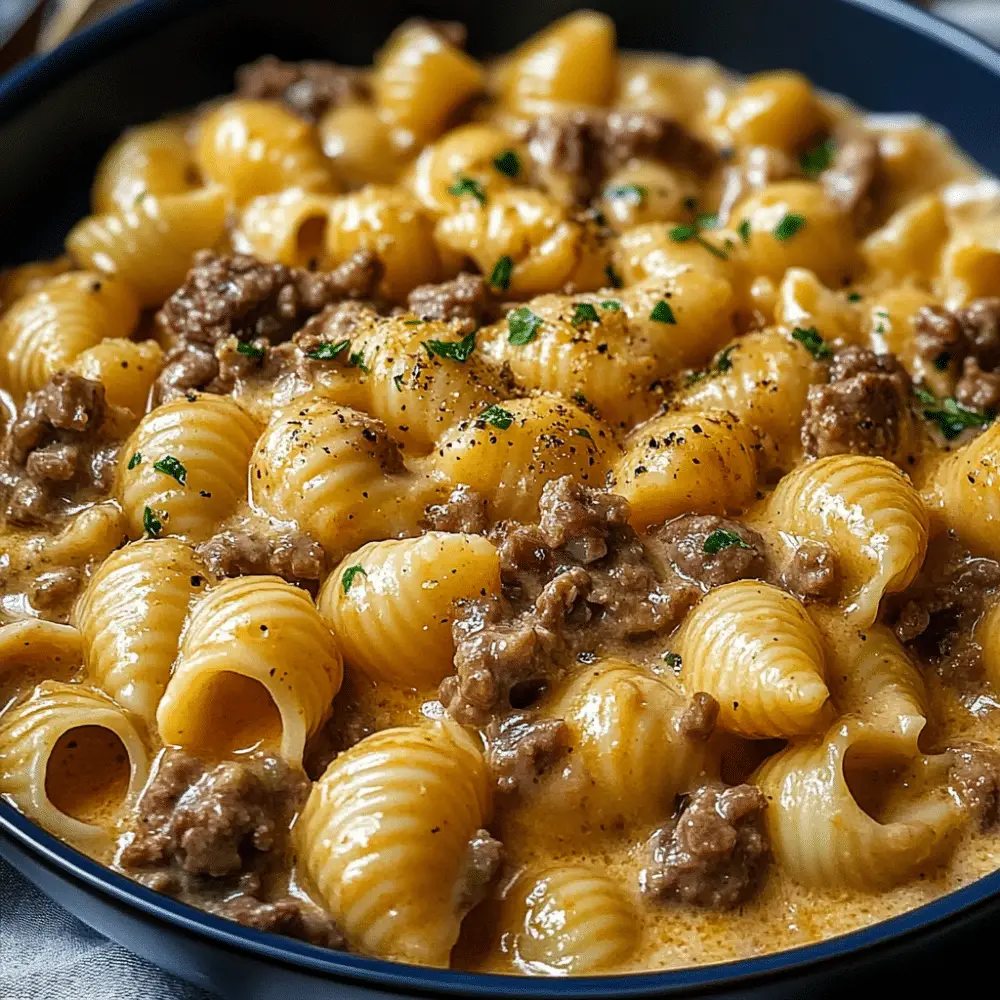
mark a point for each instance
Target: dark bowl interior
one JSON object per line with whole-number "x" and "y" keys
{"x": 58, "y": 115}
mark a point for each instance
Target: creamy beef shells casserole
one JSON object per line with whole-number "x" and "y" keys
{"x": 539, "y": 516}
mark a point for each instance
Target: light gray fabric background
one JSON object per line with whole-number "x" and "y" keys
{"x": 45, "y": 954}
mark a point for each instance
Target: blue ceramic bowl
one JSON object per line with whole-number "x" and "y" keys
{"x": 59, "y": 113}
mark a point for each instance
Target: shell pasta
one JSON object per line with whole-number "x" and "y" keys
{"x": 527, "y": 515}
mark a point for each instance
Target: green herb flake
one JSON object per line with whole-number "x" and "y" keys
{"x": 497, "y": 416}
{"x": 397, "y": 381}
{"x": 347, "y": 578}
{"x": 508, "y": 163}
{"x": 854, "y": 297}
{"x": 584, "y": 313}
{"x": 452, "y": 350}
{"x": 744, "y": 230}
{"x": 468, "y": 185}
{"x": 612, "y": 305}
{"x": 151, "y": 524}
{"x": 706, "y": 220}
{"x": 522, "y": 326}
{"x": 633, "y": 194}
{"x": 662, "y": 313}
{"x": 327, "y": 350}
{"x": 948, "y": 415}
{"x": 134, "y": 460}
{"x": 711, "y": 248}
{"x": 672, "y": 660}
{"x": 413, "y": 322}
{"x": 724, "y": 362}
{"x": 811, "y": 340}
{"x": 788, "y": 227}
{"x": 681, "y": 234}
{"x": 815, "y": 160}
{"x": 357, "y": 360}
{"x": 169, "y": 466}
{"x": 500, "y": 278}
{"x": 614, "y": 278}
{"x": 582, "y": 432}
{"x": 250, "y": 351}
{"x": 693, "y": 378}
{"x": 721, "y": 539}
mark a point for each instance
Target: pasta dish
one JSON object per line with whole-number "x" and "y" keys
{"x": 532, "y": 516}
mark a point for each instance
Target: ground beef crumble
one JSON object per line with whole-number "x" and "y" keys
{"x": 698, "y": 720}
{"x": 812, "y": 571}
{"x": 862, "y": 410}
{"x": 295, "y": 556}
{"x": 974, "y": 778}
{"x": 683, "y": 539}
{"x": 521, "y": 746}
{"x": 463, "y": 300}
{"x": 57, "y": 451}
{"x": 480, "y": 866}
{"x": 714, "y": 853}
{"x": 310, "y": 89}
{"x": 208, "y": 836}
{"x": 465, "y": 510}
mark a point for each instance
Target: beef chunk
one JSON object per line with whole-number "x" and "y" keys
{"x": 715, "y": 853}
{"x": 293, "y": 555}
{"x": 522, "y": 746}
{"x": 309, "y": 89}
{"x": 974, "y": 778}
{"x": 55, "y": 448}
{"x": 338, "y": 321}
{"x": 761, "y": 166}
{"x": 213, "y": 822}
{"x": 630, "y": 134}
{"x": 700, "y": 716}
{"x": 850, "y": 180}
{"x": 287, "y": 916}
{"x": 479, "y": 868}
{"x": 862, "y": 410}
{"x": 188, "y": 367}
{"x": 939, "y": 338}
{"x": 812, "y": 571}
{"x": 978, "y": 389}
{"x": 464, "y": 510}
{"x": 685, "y": 538}
{"x": 55, "y": 588}
{"x": 463, "y": 300}
{"x": 980, "y": 321}
{"x": 966, "y": 341}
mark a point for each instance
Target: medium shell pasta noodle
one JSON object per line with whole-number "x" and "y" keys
{"x": 151, "y": 245}
{"x": 185, "y": 466}
{"x": 71, "y": 760}
{"x": 33, "y": 650}
{"x": 822, "y": 836}
{"x": 125, "y": 368}
{"x": 385, "y": 837}
{"x": 48, "y": 328}
{"x": 757, "y": 652}
{"x": 131, "y": 618}
{"x": 868, "y": 512}
{"x": 258, "y": 666}
{"x": 288, "y": 227}
{"x": 391, "y": 603}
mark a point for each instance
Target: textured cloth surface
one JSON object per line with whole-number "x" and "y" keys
{"x": 45, "y": 954}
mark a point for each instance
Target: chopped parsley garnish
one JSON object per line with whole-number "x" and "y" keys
{"x": 611, "y": 304}
{"x": 151, "y": 524}
{"x": 672, "y": 660}
{"x": 468, "y": 185}
{"x": 349, "y": 574}
{"x": 744, "y": 230}
{"x": 634, "y": 194}
{"x": 788, "y": 227}
{"x": 250, "y": 350}
{"x": 949, "y": 415}
{"x": 357, "y": 360}
{"x": 811, "y": 340}
{"x": 497, "y": 416}
{"x": 721, "y": 539}
{"x": 584, "y": 313}
{"x": 327, "y": 351}
{"x": 171, "y": 467}
{"x": 815, "y": 160}
{"x": 614, "y": 278}
{"x": 397, "y": 381}
{"x": 693, "y": 378}
{"x": 854, "y": 297}
{"x": 500, "y": 278}
{"x": 508, "y": 163}
{"x": 707, "y": 220}
{"x": 453, "y": 350}
{"x": 582, "y": 432}
{"x": 681, "y": 234}
{"x": 134, "y": 460}
{"x": 413, "y": 322}
{"x": 662, "y": 313}
{"x": 522, "y": 326}
{"x": 724, "y": 362}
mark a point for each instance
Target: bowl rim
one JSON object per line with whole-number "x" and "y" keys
{"x": 32, "y": 80}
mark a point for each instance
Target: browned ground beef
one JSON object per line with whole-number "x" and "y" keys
{"x": 521, "y": 746}
{"x": 338, "y": 321}
{"x": 684, "y": 539}
{"x": 863, "y": 408}
{"x": 715, "y": 853}
{"x": 812, "y": 571}
{"x": 228, "y": 300}
{"x": 464, "y": 510}
{"x": 463, "y": 299}
{"x": 851, "y": 179}
{"x": 978, "y": 389}
{"x": 966, "y": 344}
{"x": 975, "y": 780}
{"x": 939, "y": 339}
{"x": 295, "y": 556}
{"x": 480, "y": 867}
{"x": 56, "y": 451}
{"x": 700, "y": 716}
{"x": 585, "y": 146}
{"x": 578, "y": 578}
{"x": 309, "y": 89}
{"x": 208, "y": 836}
{"x": 936, "y": 614}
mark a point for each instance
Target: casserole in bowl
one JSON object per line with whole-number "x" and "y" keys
{"x": 661, "y": 258}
